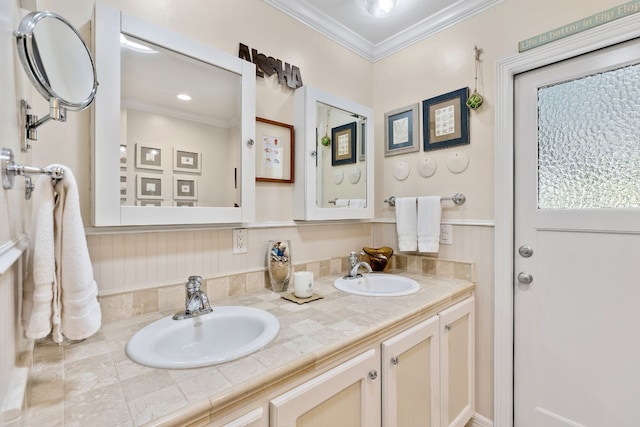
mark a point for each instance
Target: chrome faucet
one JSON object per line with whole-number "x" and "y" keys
{"x": 196, "y": 301}
{"x": 355, "y": 266}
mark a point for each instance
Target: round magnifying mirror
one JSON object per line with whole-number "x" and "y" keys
{"x": 56, "y": 59}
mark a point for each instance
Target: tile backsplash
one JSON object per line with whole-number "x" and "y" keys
{"x": 128, "y": 304}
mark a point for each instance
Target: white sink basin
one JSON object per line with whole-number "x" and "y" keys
{"x": 378, "y": 285}
{"x": 227, "y": 334}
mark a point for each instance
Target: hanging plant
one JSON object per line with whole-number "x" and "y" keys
{"x": 325, "y": 140}
{"x": 475, "y": 100}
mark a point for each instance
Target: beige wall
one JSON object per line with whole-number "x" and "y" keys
{"x": 434, "y": 66}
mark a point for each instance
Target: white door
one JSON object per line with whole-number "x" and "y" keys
{"x": 577, "y": 241}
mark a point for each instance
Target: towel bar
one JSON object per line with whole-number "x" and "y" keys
{"x": 458, "y": 199}
{"x": 10, "y": 169}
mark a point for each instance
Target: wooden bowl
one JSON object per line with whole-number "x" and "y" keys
{"x": 378, "y": 257}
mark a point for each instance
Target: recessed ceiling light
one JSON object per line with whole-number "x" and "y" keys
{"x": 380, "y": 8}
{"x": 183, "y": 97}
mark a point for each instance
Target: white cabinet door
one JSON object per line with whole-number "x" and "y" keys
{"x": 457, "y": 363}
{"x": 411, "y": 377}
{"x": 347, "y": 395}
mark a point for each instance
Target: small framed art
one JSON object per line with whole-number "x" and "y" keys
{"x": 402, "y": 130}
{"x": 185, "y": 203}
{"x": 446, "y": 120}
{"x": 343, "y": 147}
{"x": 123, "y": 185}
{"x": 185, "y": 189}
{"x": 187, "y": 161}
{"x": 148, "y": 157}
{"x": 148, "y": 187}
{"x": 274, "y": 155}
{"x": 149, "y": 203}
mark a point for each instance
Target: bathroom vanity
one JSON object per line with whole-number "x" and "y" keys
{"x": 341, "y": 360}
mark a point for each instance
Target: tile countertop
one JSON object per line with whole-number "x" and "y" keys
{"x": 94, "y": 382}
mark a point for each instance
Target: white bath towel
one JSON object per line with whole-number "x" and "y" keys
{"x": 406, "y": 223}
{"x": 342, "y": 203}
{"x": 71, "y": 292}
{"x": 429, "y": 214}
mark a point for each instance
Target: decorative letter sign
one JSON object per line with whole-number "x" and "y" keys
{"x": 289, "y": 74}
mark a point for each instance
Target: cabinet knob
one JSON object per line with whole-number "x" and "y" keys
{"x": 314, "y": 153}
{"x": 250, "y": 142}
{"x": 447, "y": 327}
{"x": 373, "y": 374}
{"x": 395, "y": 360}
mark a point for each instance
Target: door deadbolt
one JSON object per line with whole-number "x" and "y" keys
{"x": 525, "y": 251}
{"x": 525, "y": 278}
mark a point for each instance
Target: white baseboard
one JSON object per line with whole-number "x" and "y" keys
{"x": 480, "y": 421}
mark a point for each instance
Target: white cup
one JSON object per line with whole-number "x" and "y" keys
{"x": 303, "y": 284}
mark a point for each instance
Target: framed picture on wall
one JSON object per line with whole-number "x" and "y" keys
{"x": 123, "y": 156}
{"x": 149, "y": 203}
{"x": 185, "y": 203}
{"x": 362, "y": 138}
{"x": 343, "y": 147}
{"x": 148, "y": 157}
{"x": 185, "y": 188}
{"x": 123, "y": 185}
{"x": 187, "y": 161}
{"x": 275, "y": 151}
{"x": 148, "y": 187}
{"x": 446, "y": 120}
{"x": 402, "y": 130}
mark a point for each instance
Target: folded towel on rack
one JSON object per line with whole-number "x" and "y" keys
{"x": 406, "y": 223}
{"x": 67, "y": 303}
{"x": 342, "y": 203}
{"x": 40, "y": 281}
{"x": 429, "y": 214}
{"x": 357, "y": 203}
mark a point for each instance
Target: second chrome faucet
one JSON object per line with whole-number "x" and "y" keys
{"x": 355, "y": 266}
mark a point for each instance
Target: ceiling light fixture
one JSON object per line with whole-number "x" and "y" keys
{"x": 183, "y": 97}
{"x": 380, "y": 8}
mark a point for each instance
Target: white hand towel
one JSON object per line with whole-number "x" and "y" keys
{"x": 37, "y": 308}
{"x": 79, "y": 311}
{"x": 342, "y": 203}
{"x": 429, "y": 214}
{"x": 60, "y": 293}
{"x": 357, "y": 203}
{"x": 406, "y": 223}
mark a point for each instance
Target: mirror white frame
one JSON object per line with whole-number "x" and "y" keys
{"x": 106, "y": 208}
{"x": 305, "y": 191}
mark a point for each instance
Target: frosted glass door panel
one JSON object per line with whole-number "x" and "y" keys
{"x": 589, "y": 141}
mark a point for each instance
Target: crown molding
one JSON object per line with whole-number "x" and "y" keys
{"x": 310, "y": 16}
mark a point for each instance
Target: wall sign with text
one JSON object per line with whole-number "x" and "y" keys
{"x": 268, "y": 65}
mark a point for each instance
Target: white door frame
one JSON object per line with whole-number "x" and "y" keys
{"x": 605, "y": 35}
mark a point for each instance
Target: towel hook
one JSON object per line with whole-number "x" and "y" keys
{"x": 10, "y": 169}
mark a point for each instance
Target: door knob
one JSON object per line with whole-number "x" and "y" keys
{"x": 525, "y": 251}
{"x": 525, "y": 278}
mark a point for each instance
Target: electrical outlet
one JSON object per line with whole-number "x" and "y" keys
{"x": 240, "y": 242}
{"x": 446, "y": 234}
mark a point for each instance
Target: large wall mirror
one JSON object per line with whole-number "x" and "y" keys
{"x": 337, "y": 136}
{"x": 173, "y": 138}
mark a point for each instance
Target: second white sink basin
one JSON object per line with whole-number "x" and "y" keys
{"x": 378, "y": 285}
{"x": 230, "y": 332}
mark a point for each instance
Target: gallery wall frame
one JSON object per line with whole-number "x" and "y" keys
{"x": 185, "y": 188}
{"x": 187, "y": 161}
{"x": 445, "y": 120}
{"x": 343, "y": 144}
{"x": 148, "y": 157}
{"x": 402, "y": 130}
{"x": 275, "y": 152}
{"x": 149, "y": 187}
